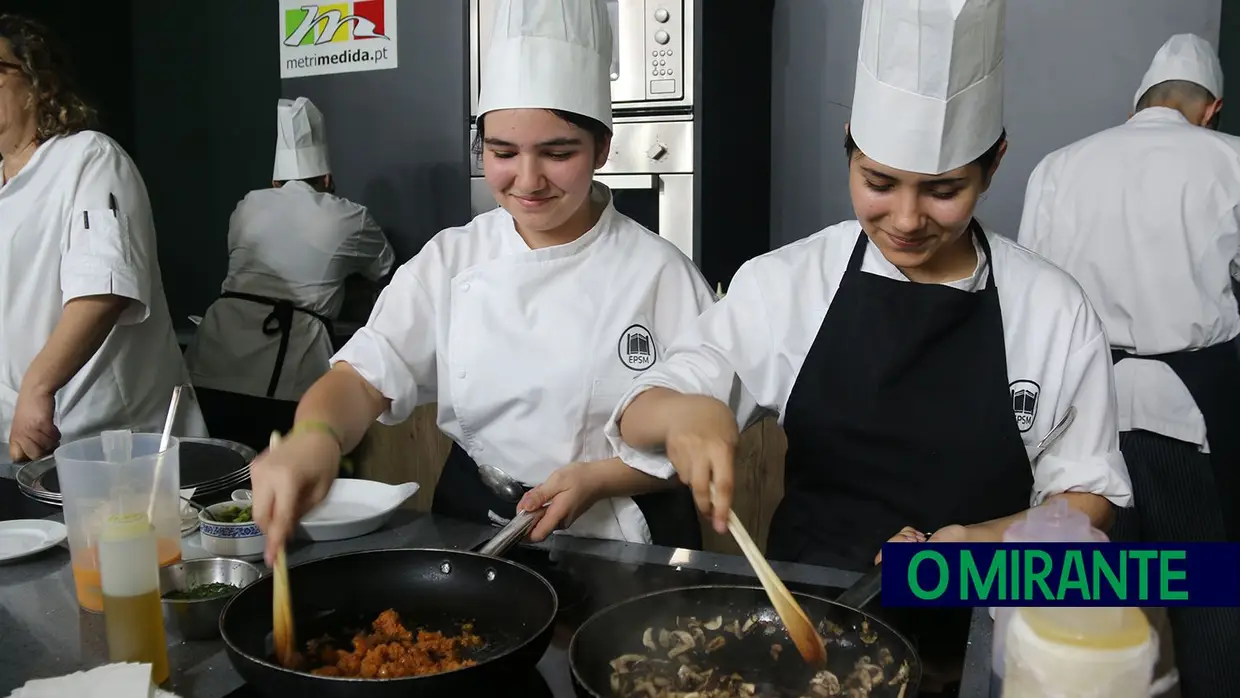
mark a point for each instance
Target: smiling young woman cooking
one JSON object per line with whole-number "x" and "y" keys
{"x": 526, "y": 325}
{"x": 915, "y": 360}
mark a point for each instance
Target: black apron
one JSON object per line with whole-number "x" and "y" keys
{"x": 1212, "y": 376}
{"x": 460, "y": 493}
{"x": 280, "y": 321}
{"x": 901, "y": 415}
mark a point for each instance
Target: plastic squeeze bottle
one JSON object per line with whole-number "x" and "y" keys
{"x": 1052, "y": 522}
{"x": 129, "y": 577}
{"x": 1070, "y": 652}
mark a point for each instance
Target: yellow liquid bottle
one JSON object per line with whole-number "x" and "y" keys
{"x": 129, "y": 577}
{"x": 1079, "y": 653}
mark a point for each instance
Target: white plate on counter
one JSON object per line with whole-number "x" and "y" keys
{"x": 25, "y": 537}
{"x": 354, "y": 508}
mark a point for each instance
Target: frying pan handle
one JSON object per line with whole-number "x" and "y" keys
{"x": 864, "y": 590}
{"x": 510, "y": 535}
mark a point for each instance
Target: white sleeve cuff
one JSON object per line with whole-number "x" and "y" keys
{"x": 101, "y": 260}
{"x": 374, "y": 359}
{"x": 652, "y": 463}
{"x": 1105, "y": 475}
{"x": 108, "y": 283}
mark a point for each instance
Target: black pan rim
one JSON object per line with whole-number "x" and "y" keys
{"x": 26, "y": 479}
{"x": 345, "y": 680}
{"x": 572, "y": 644}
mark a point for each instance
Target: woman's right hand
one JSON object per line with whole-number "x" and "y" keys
{"x": 701, "y": 444}
{"x": 290, "y": 481}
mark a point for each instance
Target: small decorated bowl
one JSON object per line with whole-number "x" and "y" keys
{"x": 228, "y": 531}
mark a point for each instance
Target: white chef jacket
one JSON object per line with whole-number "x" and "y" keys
{"x": 290, "y": 243}
{"x": 527, "y": 351}
{"x": 59, "y": 240}
{"x": 761, "y": 332}
{"x": 1146, "y": 216}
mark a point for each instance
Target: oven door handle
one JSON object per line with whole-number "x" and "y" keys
{"x": 628, "y": 181}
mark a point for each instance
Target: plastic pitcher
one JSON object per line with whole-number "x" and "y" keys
{"x": 101, "y": 480}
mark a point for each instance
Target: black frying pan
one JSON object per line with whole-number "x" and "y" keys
{"x": 511, "y": 607}
{"x": 850, "y": 635}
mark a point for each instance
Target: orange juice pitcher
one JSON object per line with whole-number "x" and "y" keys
{"x": 115, "y": 474}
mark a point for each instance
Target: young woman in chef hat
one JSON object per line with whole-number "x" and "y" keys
{"x": 915, "y": 359}
{"x": 527, "y": 324}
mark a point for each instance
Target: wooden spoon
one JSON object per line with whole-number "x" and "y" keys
{"x": 800, "y": 628}
{"x": 281, "y": 606}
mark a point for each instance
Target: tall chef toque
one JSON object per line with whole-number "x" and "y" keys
{"x": 929, "y": 92}
{"x": 1185, "y": 57}
{"x": 301, "y": 141}
{"x": 549, "y": 54}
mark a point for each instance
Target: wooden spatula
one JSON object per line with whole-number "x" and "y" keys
{"x": 800, "y": 628}
{"x": 281, "y": 605}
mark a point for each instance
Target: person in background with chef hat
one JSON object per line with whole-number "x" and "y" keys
{"x": 86, "y": 340}
{"x": 525, "y": 325}
{"x": 290, "y": 247}
{"x": 1146, "y": 216}
{"x": 914, "y": 358}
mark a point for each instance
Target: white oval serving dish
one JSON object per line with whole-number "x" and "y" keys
{"x": 354, "y": 508}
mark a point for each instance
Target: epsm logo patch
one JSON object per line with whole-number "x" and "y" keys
{"x": 1025, "y": 403}
{"x": 341, "y": 37}
{"x": 637, "y": 348}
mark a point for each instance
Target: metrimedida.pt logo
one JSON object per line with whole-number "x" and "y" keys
{"x": 320, "y": 24}
{"x": 339, "y": 37}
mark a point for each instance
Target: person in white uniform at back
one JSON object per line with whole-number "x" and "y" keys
{"x": 525, "y": 325}
{"x": 914, "y": 359}
{"x": 1146, "y": 216}
{"x": 290, "y": 249}
{"x": 86, "y": 339}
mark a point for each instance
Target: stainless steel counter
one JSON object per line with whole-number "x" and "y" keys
{"x": 45, "y": 634}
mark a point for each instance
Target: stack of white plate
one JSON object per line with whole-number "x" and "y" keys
{"x": 209, "y": 466}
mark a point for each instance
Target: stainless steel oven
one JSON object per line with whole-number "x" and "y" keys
{"x": 652, "y": 54}
{"x": 649, "y": 171}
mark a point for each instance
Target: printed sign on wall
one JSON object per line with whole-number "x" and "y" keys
{"x": 338, "y": 37}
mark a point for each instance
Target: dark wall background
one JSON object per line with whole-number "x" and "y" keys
{"x": 398, "y": 138}
{"x": 1229, "y": 56}
{"x": 206, "y": 80}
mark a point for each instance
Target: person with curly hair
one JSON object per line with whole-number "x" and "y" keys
{"x": 86, "y": 339}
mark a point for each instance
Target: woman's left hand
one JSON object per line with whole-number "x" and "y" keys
{"x": 571, "y": 490}
{"x": 955, "y": 533}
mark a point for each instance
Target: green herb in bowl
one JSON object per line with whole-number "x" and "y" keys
{"x": 237, "y": 514}
{"x": 202, "y": 592}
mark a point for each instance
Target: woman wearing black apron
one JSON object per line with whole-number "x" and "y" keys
{"x": 915, "y": 359}
{"x": 524, "y": 326}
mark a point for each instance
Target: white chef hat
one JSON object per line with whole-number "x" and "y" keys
{"x": 549, "y": 54}
{"x": 301, "y": 141}
{"x": 1184, "y": 57}
{"x": 929, "y": 92}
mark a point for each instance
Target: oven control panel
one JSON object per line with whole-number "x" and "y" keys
{"x": 665, "y": 45}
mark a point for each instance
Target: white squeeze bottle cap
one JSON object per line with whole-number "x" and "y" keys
{"x": 1052, "y": 522}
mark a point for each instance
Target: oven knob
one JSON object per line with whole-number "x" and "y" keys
{"x": 662, "y": 37}
{"x": 657, "y": 151}
{"x": 661, "y": 15}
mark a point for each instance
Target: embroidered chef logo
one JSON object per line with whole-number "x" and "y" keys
{"x": 1024, "y": 403}
{"x": 637, "y": 348}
